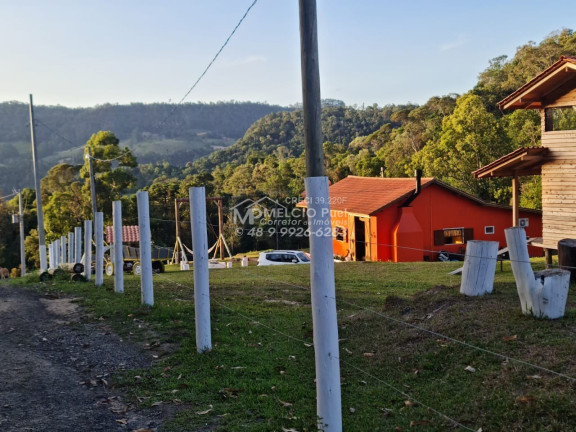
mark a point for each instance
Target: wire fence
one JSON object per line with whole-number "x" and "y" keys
{"x": 347, "y": 293}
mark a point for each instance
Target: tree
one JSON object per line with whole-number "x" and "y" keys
{"x": 471, "y": 138}
{"x": 111, "y": 170}
{"x": 64, "y": 206}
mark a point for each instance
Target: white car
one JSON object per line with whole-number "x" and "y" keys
{"x": 281, "y": 257}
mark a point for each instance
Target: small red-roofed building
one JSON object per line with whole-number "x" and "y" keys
{"x": 407, "y": 219}
{"x": 130, "y": 234}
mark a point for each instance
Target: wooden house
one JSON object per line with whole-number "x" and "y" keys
{"x": 405, "y": 219}
{"x": 553, "y": 93}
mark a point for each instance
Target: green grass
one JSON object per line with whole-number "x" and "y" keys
{"x": 259, "y": 375}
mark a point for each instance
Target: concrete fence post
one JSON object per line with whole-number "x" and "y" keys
{"x": 145, "y": 248}
{"x": 118, "y": 258}
{"x": 197, "y": 197}
{"x": 88, "y": 249}
{"x": 99, "y": 238}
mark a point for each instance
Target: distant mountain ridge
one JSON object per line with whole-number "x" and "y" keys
{"x": 175, "y": 133}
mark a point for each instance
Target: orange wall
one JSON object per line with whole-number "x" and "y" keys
{"x": 436, "y": 208}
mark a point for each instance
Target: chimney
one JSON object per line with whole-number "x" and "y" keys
{"x": 418, "y": 174}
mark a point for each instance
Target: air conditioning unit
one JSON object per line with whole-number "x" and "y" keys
{"x": 523, "y": 222}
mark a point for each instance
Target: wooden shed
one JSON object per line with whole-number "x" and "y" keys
{"x": 553, "y": 93}
{"x": 406, "y": 219}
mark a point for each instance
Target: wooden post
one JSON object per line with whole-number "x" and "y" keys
{"x": 323, "y": 293}
{"x": 543, "y": 294}
{"x": 220, "y": 205}
{"x": 176, "y": 254}
{"x": 479, "y": 268}
{"x": 88, "y": 249}
{"x": 201, "y": 277}
{"x": 99, "y": 238}
{"x": 77, "y": 244}
{"x": 118, "y": 258}
{"x": 145, "y": 248}
{"x": 515, "y": 200}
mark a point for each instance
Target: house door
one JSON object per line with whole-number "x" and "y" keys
{"x": 361, "y": 239}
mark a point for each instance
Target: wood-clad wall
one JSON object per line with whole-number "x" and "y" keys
{"x": 558, "y": 186}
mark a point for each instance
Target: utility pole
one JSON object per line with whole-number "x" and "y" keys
{"x": 322, "y": 281}
{"x": 39, "y": 212}
{"x": 21, "y": 222}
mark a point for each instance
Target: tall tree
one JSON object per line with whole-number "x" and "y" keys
{"x": 471, "y": 138}
{"x": 111, "y": 170}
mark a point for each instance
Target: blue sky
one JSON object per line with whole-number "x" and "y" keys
{"x": 90, "y": 52}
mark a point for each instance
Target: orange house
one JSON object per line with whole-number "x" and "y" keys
{"x": 401, "y": 220}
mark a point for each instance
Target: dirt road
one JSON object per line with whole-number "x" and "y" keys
{"x": 55, "y": 370}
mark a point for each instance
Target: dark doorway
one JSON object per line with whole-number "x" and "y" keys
{"x": 360, "y": 239}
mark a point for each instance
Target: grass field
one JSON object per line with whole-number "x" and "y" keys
{"x": 259, "y": 375}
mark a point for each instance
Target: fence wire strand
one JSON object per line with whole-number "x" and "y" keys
{"x": 279, "y": 332}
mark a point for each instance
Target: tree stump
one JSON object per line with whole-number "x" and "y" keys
{"x": 543, "y": 294}
{"x": 567, "y": 256}
{"x": 479, "y": 268}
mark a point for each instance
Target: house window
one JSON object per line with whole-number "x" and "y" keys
{"x": 489, "y": 230}
{"x": 448, "y": 236}
{"x": 340, "y": 233}
{"x": 560, "y": 118}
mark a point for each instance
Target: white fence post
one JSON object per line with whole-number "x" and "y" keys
{"x": 145, "y": 249}
{"x": 77, "y": 244}
{"x": 479, "y": 268}
{"x": 71, "y": 248}
{"x": 88, "y": 249}
{"x": 56, "y": 253}
{"x": 51, "y": 255}
{"x": 63, "y": 250}
{"x": 99, "y": 237}
{"x": 324, "y": 315}
{"x": 118, "y": 258}
{"x": 197, "y": 198}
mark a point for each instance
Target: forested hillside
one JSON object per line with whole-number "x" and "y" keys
{"x": 173, "y": 133}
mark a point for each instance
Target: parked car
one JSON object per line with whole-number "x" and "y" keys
{"x": 281, "y": 257}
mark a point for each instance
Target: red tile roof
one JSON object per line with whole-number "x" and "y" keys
{"x": 368, "y": 195}
{"x": 130, "y": 234}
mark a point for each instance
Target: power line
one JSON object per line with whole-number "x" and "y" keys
{"x": 207, "y": 67}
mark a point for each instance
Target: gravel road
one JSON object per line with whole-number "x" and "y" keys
{"x": 55, "y": 369}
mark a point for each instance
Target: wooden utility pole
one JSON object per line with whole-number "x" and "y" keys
{"x": 322, "y": 282}
{"x": 39, "y": 212}
{"x": 312, "y": 103}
